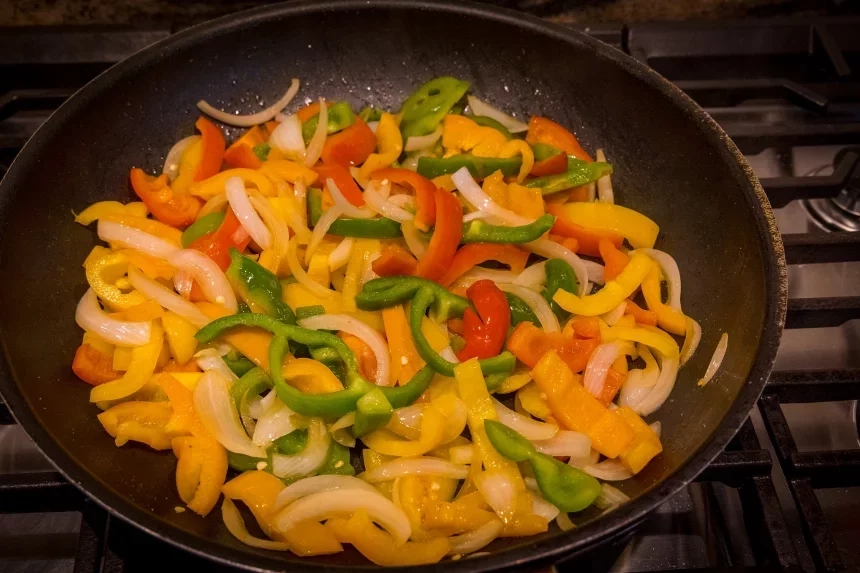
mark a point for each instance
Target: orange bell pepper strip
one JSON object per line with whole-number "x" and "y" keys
{"x": 94, "y": 366}
{"x": 529, "y": 344}
{"x": 543, "y": 130}
{"x": 351, "y": 146}
{"x": 168, "y": 206}
{"x": 615, "y": 377}
{"x": 257, "y": 490}
{"x": 550, "y": 166}
{"x": 614, "y": 259}
{"x": 217, "y": 245}
{"x": 366, "y": 358}
{"x": 213, "y": 149}
{"x": 589, "y": 239}
{"x": 442, "y": 249}
{"x": 394, "y": 261}
{"x": 640, "y": 315}
{"x": 424, "y": 189}
{"x": 405, "y": 360}
{"x": 241, "y": 154}
{"x": 585, "y": 326}
{"x": 568, "y": 243}
{"x": 474, "y": 254}
{"x": 344, "y": 181}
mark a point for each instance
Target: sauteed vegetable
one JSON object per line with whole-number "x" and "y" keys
{"x": 436, "y": 320}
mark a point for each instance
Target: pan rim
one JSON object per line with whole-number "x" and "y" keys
{"x": 556, "y": 547}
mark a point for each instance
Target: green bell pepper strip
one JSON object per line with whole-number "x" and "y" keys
{"x": 258, "y": 287}
{"x": 293, "y": 443}
{"x": 578, "y": 173}
{"x": 376, "y": 228}
{"x": 520, "y": 311}
{"x": 238, "y": 363}
{"x": 485, "y": 121}
{"x": 309, "y": 311}
{"x": 564, "y": 486}
{"x": 543, "y": 151}
{"x": 478, "y": 231}
{"x": 261, "y": 150}
{"x": 422, "y": 111}
{"x": 559, "y": 276}
{"x": 251, "y": 384}
{"x": 386, "y": 292}
{"x": 370, "y": 113}
{"x": 340, "y": 117}
{"x": 373, "y": 411}
{"x": 202, "y": 226}
{"x": 243, "y": 463}
{"x": 503, "y": 363}
{"x": 479, "y": 167}
{"x": 337, "y": 461}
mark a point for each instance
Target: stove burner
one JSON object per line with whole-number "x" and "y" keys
{"x": 840, "y": 213}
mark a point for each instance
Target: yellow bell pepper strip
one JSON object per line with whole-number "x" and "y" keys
{"x": 451, "y": 518}
{"x": 312, "y": 538}
{"x": 438, "y": 422}
{"x": 143, "y": 361}
{"x": 140, "y": 422}
{"x": 644, "y": 447}
{"x": 533, "y": 401}
{"x": 577, "y": 410}
{"x": 121, "y": 360}
{"x": 649, "y": 336}
{"x": 257, "y": 490}
{"x": 405, "y": 360}
{"x": 311, "y": 377}
{"x": 145, "y": 311}
{"x": 202, "y": 467}
{"x": 104, "y": 209}
{"x": 638, "y": 229}
{"x": 514, "y": 382}
{"x": 362, "y": 251}
{"x": 379, "y": 547}
{"x": 612, "y": 293}
{"x": 413, "y": 495}
{"x": 180, "y": 337}
{"x": 460, "y": 133}
{"x": 150, "y": 266}
{"x": 519, "y": 147}
{"x": 668, "y": 318}
{"x": 289, "y": 171}
{"x": 525, "y": 525}
{"x": 213, "y": 186}
{"x": 525, "y": 201}
{"x": 253, "y": 343}
{"x": 389, "y": 146}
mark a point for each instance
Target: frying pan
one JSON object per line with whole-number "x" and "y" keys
{"x": 672, "y": 163}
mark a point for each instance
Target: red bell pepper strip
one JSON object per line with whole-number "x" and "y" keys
{"x": 589, "y": 239}
{"x": 613, "y": 383}
{"x": 350, "y": 146}
{"x": 476, "y": 253}
{"x": 394, "y": 261}
{"x": 425, "y": 193}
{"x": 446, "y": 236}
{"x": 543, "y": 130}
{"x": 550, "y": 166}
{"x": 213, "y": 149}
{"x": 217, "y": 245}
{"x": 93, "y": 366}
{"x": 344, "y": 181}
{"x": 485, "y": 330}
{"x": 168, "y": 206}
{"x": 529, "y": 343}
{"x": 614, "y": 259}
{"x": 241, "y": 154}
{"x": 640, "y": 315}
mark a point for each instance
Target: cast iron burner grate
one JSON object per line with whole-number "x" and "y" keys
{"x": 811, "y": 96}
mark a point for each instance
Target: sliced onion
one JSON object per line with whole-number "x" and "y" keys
{"x": 384, "y": 207}
{"x": 615, "y": 314}
{"x": 480, "y": 273}
{"x": 448, "y": 354}
{"x": 216, "y": 203}
{"x": 691, "y": 340}
{"x": 316, "y": 143}
{"x": 318, "y": 484}
{"x": 417, "y": 142}
{"x": 476, "y": 539}
{"x": 348, "y": 208}
{"x": 277, "y": 420}
{"x": 254, "y": 118}
{"x": 308, "y": 460}
{"x": 716, "y": 359}
{"x": 610, "y": 497}
{"x": 565, "y": 444}
{"x": 373, "y": 125}
{"x": 604, "y": 185}
{"x": 670, "y": 271}
{"x": 498, "y": 490}
{"x": 563, "y": 522}
{"x": 339, "y": 430}
{"x": 327, "y": 504}
{"x": 543, "y": 508}
{"x": 552, "y": 250}
{"x": 584, "y": 461}
{"x": 595, "y": 271}
{"x": 260, "y": 405}
{"x": 405, "y": 201}
{"x": 475, "y": 215}
{"x": 656, "y": 427}
{"x": 90, "y": 316}
{"x": 136, "y": 239}
{"x": 171, "y": 162}
{"x": 236, "y": 526}
{"x": 355, "y": 327}
{"x": 300, "y": 274}
{"x": 238, "y": 199}
{"x": 462, "y": 455}
{"x": 183, "y": 283}
{"x": 212, "y": 280}
{"x": 280, "y": 231}
{"x": 153, "y": 290}
{"x": 598, "y": 366}
{"x": 324, "y": 223}
{"x": 479, "y": 107}
{"x": 533, "y": 277}
{"x": 529, "y": 428}
{"x": 300, "y": 224}
{"x": 213, "y": 404}
{"x": 473, "y": 193}
{"x": 661, "y": 390}
{"x": 287, "y": 137}
{"x": 339, "y": 257}
{"x": 210, "y": 359}
{"x": 420, "y": 466}
{"x": 413, "y": 239}
{"x": 639, "y": 382}
{"x": 537, "y": 303}
{"x": 608, "y": 470}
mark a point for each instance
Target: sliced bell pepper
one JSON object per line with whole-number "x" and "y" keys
{"x": 530, "y": 343}
{"x": 548, "y": 160}
{"x": 206, "y": 224}
{"x": 104, "y": 209}
{"x": 640, "y": 315}
{"x": 425, "y": 108}
{"x": 521, "y": 148}
{"x": 214, "y": 185}
{"x": 151, "y": 226}
{"x": 352, "y": 146}
{"x": 345, "y": 183}
{"x": 478, "y": 231}
{"x": 94, "y": 366}
{"x": 520, "y": 312}
{"x": 142, "y": 422}
{"x": 615, "y": 377}
{"x": 490, "y": 122}
{"x": 176, "y": 208}
{"x": 653, "y": 337}
{"x": 340, "y": 116}
{"x": 258, "y": 287}
{"x": 474, "y": 254}
{"x": 362, "y": 251}
{"x": 614, "y": 259}
{"x": 366, "y": 358}
{"x": 448, "y": 231}
{"x": 424, "y": 189}
{"x": 389, "y": 145}
{"x": 638, "y": 229}
{"x": 461, "y": 133}
{"x": 258, "y": 491}
{"x": 578, "y": 173}
{"x": 644, "y": 447}
{"x": 213, "y": 149}
{"x": 486, "y": 329}
{"x": 394, "y": 261}
{"x": 217, "y": 245}
{"x": 385, "y": 292}
{"x": 479, "y": 167}
{"x": 289, "y": 171}
{"x": 588, "y": 239}
{"x": 376, "y": 228}
{"x": 612, "y": 293}
{"x": 548, "y": 132}
{"x": 668, "y": 318}
{"x": 102, "y": 274}
{"x": 405, "y": 360}
{"x": 584, "y": 326}
{"x": 143, "y": 362}
{"x": 559, "y": 275}
{"x": 241, "y": 152}
{"x": 180, "y": 337}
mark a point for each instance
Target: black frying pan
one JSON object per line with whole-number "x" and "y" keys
{"x": 672, "y": 163}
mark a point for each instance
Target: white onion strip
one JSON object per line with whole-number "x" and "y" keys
{"x": 210, "y": 359}
{"x": 475, "y": 215}
{"x": 552, "y": 250}
{"x": 420, "y": 466}
{"x": 136, "y": 239}
{"x": 691, "y": 340}
{"x": 315, "y": 145}
{"x": 529, "y": 428}
{"x": 661, "y": 390}
{"x": 541, "y": 308}
{"x": 598, "y": 366}
{"x": 216, "y": 203}
{"x": 153, "y": 290}
{"x": 375, "y": 200}
{"x": 639, "y": 382}
{"x": 610, "y": 497}
{"x": 308, "y": 460}
{"x": 355, "y": 327}
{"x": 287, "y": 137}
{"x": 417, "y": 142}
{"x": 476, "y": 539}
{"x": 479, "y": 107}
{"x": 172, "y": 160}
{"x": 348, "y": 208}
{"x": 237, "y": 196}
{"x": 90, "y": 316}
{"x": 324, "y": 223}
{"x": 254, "y": 118}
{"x": 236, "y": 526}
{"x": 277, "y": 420}
{"x": 213, "y": 404}
{"x": 543, "y": 508}
{"x": 340, "y": 255}
{"x": 615, "y": 314}
{"x": 608, "y": 470}
{"x": 413, "y": 239}
{"x": 604, "y": 185}
{"x": 716, "y": 360}
{"x": 473, "y": 193}
{"x": 670, "y": 270}
{"x": 318, "y": 484}
{"x": 212, "y": 280}
{"x": 300, "y": 273}
{"x": 533, "y": 277}
{"x": 566, "y": 444}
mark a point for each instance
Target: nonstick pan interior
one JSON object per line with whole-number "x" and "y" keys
{"x": 672, "y": 163}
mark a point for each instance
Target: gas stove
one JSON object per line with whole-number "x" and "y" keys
{"x": 785, "y": 495}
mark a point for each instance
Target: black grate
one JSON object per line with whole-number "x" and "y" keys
{"x": 811, "y": 96}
